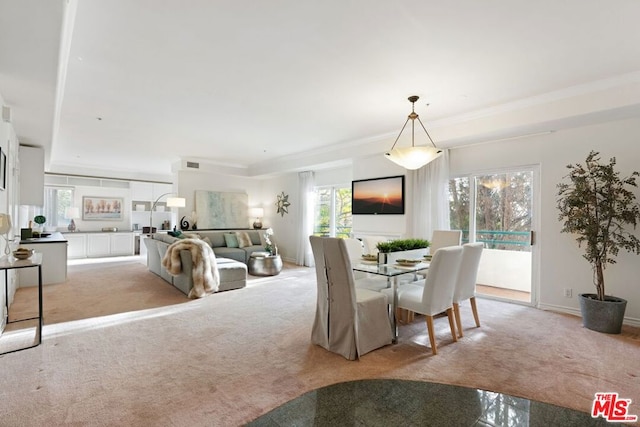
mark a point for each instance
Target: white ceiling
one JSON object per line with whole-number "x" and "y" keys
{"x": 134, "y": 86}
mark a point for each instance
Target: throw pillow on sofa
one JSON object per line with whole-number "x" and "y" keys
{"x": 244, "y": 240}
{"x": 231, "y": 240}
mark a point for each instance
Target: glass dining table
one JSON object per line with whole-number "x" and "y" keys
{"x": 392, "y": 272}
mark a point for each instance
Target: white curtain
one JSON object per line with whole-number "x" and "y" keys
{"x": 431, "y": 197}
{"x": 304, "y": 256}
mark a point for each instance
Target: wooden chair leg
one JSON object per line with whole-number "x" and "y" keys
{"x": 410, "y": 316}
{"x": 475, "y": 310}
{"x": 451, "y": 324}
{"x": 432, "y": 337}
{"x": 456, "y": 312}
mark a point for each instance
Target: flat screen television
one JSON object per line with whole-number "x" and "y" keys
{"x": 378, "y": 196}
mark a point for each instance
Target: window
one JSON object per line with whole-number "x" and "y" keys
{"x": 332, "y": 212}
{"x": 56, "y": 202}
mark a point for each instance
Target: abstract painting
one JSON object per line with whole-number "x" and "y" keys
{"x": 222, "y": 210}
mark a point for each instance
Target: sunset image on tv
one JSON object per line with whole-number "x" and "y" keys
{"x": 378, "y": 196}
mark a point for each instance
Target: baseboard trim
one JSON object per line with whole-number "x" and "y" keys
{"x": 631, "y": 321}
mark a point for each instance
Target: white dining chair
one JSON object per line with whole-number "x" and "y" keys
{"x": 363, "y": 280}
{"x": 466, "y": 283}
{"x": 433, "y": 295}
{"x": 349, "y": 321}
{"x": 443, "y": 239}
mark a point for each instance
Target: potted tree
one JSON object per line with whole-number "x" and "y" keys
{"x": 597, "y": 205}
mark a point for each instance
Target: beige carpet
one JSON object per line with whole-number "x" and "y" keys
{"x": 228, "y": 358}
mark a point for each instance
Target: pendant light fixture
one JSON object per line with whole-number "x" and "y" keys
{"x": 413, "y": 157}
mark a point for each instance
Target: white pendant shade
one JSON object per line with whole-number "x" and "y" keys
{"x": 176, "y": 202}
{"x": 413, "y": 157}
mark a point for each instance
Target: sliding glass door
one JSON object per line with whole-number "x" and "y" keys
{"x": 497, "y": 208}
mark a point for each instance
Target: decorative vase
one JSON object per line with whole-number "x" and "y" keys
{"x": 602, "y": 316}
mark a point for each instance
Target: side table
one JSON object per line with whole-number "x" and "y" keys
{"x": 10, "y": 263}
{"x": 262, "y": 264}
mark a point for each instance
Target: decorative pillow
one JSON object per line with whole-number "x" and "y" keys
{"x": 243, "y": 239}
{"x": 231, "y": 240}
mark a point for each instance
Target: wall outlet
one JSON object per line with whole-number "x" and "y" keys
{"x": 568, "y": 292}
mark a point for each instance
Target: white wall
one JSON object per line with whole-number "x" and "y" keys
{"x": 187, "y": 182}
{"x": 394, "y": 225}
{"x": 83, "y": 191}
{"x": 560, "y": 263}
{"x": 285, "y": 228}
{"x": 9, "y": 199}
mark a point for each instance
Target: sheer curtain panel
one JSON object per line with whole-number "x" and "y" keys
{"x": 431, "y": 197}
{"x": 304, "y": 256}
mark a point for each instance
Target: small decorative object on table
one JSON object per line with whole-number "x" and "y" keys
{"x": 370, "y": 258}
{"x": 257, "y": 213}
{"x": 40, "y": 220}
{"x": 22, "y": 253}
{"x": 184, "y": 224}
{"x": 268, "y": 244}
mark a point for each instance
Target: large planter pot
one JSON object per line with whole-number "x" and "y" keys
{"x": 602, "y": 316}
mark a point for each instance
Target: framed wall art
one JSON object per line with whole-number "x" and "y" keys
{"x": 220, "y": 210}
{"x": 102, "y": 208}
{"x": 378, "y": 196}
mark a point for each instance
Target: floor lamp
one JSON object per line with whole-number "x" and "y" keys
{"x": 172, "y": 202}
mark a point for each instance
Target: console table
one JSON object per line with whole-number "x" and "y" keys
{"x": 11, "y": 263}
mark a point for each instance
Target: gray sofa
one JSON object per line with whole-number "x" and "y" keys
{"x": 231, "y": 261}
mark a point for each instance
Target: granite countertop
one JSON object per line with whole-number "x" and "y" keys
{"x": 97, "y": 231}
{"x": 55, "y": 237}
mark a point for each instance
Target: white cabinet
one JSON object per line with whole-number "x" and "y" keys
{"x": 98, "y": 245}
{"x": 54, "y": 262}
{"x": 160, "y": 189}
{"x": 109, "y": 244}
{"x": 142, "y": 191}
{"x": 32, "y": 175}
{"x": 121, "y": 244}
{"x": 77, "y": 247}
{"x": 148, "y": 191}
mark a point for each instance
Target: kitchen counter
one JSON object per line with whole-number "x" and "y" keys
{"x": 55, "y": 237}
{"x": 109, "y": 232}
{"x": 54, "y": 260}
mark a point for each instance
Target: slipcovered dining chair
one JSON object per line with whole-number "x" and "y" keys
{"x": 433, "y": 295}
{"x": 466, "y": 284}
{"x": 444, "y": 238}
{"x": 349, "y": 321}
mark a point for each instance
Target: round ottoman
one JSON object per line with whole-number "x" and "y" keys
{"x": 262, "y": 264}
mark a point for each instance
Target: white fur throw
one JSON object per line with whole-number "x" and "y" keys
{"x": 204, "y": 273}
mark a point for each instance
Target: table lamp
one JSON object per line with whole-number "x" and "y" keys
{"x": 72, "y": 214}
{"x": 5, "y": 227}
{"x": 258, "y": 213}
